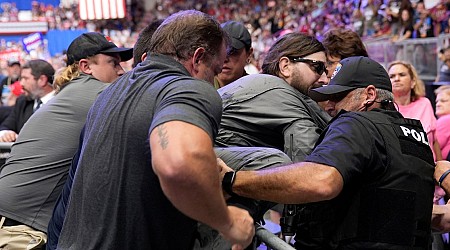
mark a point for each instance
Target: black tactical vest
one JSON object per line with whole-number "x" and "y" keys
{"x": 388, "y": 211}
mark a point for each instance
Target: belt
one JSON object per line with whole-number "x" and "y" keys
{"x": 10, "y": 222}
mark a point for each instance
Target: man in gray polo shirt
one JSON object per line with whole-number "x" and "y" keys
{"x": 33, "y": 176}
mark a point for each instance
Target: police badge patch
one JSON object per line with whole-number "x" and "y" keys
{"x": 338, "y": 68}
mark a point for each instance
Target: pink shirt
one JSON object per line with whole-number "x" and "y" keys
{"x": 443, "y": 134}
{"x": 422, "y": 110}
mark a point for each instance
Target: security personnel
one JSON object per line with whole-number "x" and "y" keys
{"x": 371, "y": 172}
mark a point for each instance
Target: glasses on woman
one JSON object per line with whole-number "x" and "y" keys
{"x": 317, "y": 66}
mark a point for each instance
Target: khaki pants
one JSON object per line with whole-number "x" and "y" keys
{"x": 20, "y": 237}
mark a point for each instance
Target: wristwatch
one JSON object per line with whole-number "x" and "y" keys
{"x": 227, "y": 182}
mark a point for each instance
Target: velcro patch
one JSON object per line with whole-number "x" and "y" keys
{"x": 413, "y": 139}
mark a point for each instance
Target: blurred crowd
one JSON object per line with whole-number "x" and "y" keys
{"x": 265, "y": 19}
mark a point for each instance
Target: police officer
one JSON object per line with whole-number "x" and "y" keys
{"x": 371, "y": 169}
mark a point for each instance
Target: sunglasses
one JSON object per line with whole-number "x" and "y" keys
{"x": 317, "y": 66}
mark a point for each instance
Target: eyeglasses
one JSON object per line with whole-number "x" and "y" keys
{"x": 317, "y": 66}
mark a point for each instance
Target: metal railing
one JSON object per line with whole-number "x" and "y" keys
{"x": 5, "y": 149}
{"x": 5, "y": 145}
{"x": 420, "y": 52}
{"x": 271, "y": 240}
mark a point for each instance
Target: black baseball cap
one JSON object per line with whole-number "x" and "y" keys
{"x": 240, "y": 37}
{"x": 352, "y": 73}
{"x": 93, "y": 43}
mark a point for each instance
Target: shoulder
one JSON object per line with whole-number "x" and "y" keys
{"x": 357, "y": 121}
{"x": 347, "y": 122}
{"x": 256, "y": 83}
{"x": 420, "y": 104}
{"x": 93, "y": 82}
{"x": 188, "y": 85}
{"x": 84, "y": 81}
{"x": 22, "y": 102}
{"x": 425, "y": 104}
{"x": 188, "y": 91}
{"x": 352, "y": 116}
{"x": 445, "y": 119}
{"x": 260, "y": 86}
{"x": 424, "y": 101}
{"x": 23, "y": 99}
{"x": 88, "y": 81}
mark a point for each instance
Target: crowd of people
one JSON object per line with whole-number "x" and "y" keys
{"x": 323, "y": 128}
{"x": 266, "y": 20}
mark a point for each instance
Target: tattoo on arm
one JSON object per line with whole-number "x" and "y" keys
{"x": 163, "y": 139}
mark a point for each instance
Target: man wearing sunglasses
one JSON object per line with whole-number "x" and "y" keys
{"x": 273, "y": 110}
{"x": 371, "y": 173}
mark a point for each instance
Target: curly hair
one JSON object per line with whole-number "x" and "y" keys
{"x": 343, "y": 43}
{"x": 64, "y": 76}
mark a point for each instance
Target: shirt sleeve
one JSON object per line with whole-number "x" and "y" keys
{"x": 10, "y": 123}
{"x": 192, "y": 101}
{"x": 443, "y": 134}
{"x": 285, "y": 112}
{"x": 300, "y": 138}
{"x": 348, "y": 146}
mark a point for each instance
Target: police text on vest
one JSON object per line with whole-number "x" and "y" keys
{"x": 418, "y": 136}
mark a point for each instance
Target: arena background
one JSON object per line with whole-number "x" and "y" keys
{"x": 44, "y": 29}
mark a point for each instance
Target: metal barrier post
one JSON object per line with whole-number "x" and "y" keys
{"x": 5, "y": 148}
{"x": 6, "y": 145}
{"x": 270, "y": 239}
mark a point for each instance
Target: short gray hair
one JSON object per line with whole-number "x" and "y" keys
{"x": 383, "y": 94}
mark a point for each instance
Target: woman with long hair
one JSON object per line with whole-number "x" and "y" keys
{"x": 409, "y": 94}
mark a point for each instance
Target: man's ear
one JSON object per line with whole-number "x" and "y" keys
{"x": 285, "y": 67}
{"x": 84, "y": 66}
{"x": 192, "y": 64}
{"x": 199, "y": 55}
{"x": 371, "y": 93}
{"x": 42, "y": 81}
{"x": 144, "y": 56}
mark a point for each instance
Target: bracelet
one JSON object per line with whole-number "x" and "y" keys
{"x": 227, "y": 182}
{"x": 443, "y": 177}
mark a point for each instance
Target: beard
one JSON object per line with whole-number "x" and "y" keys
{"x": 299, "y": 83}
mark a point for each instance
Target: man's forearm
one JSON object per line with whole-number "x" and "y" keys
{"x": 194, "y": 193}
{"x": 440, "y": 175}
{"x": 297, "y": 183}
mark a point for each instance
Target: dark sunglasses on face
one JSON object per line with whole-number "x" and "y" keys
{"x": 317, "y": 66}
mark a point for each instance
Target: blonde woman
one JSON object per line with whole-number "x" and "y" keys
{"x": 409, "y": 94}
